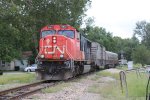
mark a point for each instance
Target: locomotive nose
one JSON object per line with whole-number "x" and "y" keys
{"x": 54, "y": 47}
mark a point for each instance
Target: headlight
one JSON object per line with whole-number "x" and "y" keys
{"x": 54, "y": 41}
{"x": 42, "y": 56}
{"x": 54, "y": 38}
{"x": 61, "y": 56}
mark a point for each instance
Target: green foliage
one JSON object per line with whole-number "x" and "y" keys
{"x": 99, "y": 34}
{"x": 125, "y": 46}
{"x": 143, "y": 30}
{"x": 115, "y": 44}
{"x": 20, "y": 22}
{"x": 9, "y": 47}
{"x": 141, "y": 55}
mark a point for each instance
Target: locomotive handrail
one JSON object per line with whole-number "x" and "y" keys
{"x": 42, "y": 45}
{"x": 41, "y": 49}
{"x": 37, "y": 56}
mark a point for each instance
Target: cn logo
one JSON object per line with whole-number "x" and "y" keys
{"x": 54, "y": 49}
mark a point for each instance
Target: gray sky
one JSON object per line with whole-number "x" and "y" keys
{"x": 119, "y": 16}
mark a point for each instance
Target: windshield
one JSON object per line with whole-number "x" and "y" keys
{"x": 67, "y": 33}
{"x": 48, "y": 32}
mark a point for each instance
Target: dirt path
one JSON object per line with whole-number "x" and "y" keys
{"x": 77, "y": 90}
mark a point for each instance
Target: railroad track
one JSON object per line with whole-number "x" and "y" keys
{"x": 20, "y": 92}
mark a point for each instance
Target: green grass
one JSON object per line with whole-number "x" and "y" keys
{"x": 17, "y": 78}
{"x": 108, "y": 91}
{"x": 56, "y": 88}
{"x": 122, "y": 67}
{"x": 137, "y": 65}
{"x": 136, "y": 84}
{"x": 106, "y": 73}
{"x": 125, "y": 67}
{"x": 111, "y": 90}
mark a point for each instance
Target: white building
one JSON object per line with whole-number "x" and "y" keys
{"x": 16, "y": 64}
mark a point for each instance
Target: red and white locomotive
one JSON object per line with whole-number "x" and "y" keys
{"x": 64, "y": 53}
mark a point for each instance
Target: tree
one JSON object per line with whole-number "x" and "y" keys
{"x": 141, "y": 55}
{"x": 21, "y": 21}
{"x": 125, "y": 46}
{"x": 99, "y": 34}
{"x": 9, "y": 34}
{"x": 143, "y": 30}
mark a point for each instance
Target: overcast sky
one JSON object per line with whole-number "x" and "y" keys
{"x": 119, "y": 16}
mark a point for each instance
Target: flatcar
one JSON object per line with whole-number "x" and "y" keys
{"x": 65, "y": 53}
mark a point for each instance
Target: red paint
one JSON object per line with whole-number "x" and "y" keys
{"x": 68, "y": 47}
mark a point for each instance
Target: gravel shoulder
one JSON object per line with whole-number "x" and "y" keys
{"x": 78, "y": 89}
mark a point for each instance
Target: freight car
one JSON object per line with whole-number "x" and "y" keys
{"x": 65, "y": 53}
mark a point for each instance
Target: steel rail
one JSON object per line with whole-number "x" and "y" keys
{"x": 22, "y": 91}
{"x": 28, "y": 93}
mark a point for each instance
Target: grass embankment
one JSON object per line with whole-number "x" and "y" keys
{"x": 111, "y": 90}
{"x": 12, "y": 78}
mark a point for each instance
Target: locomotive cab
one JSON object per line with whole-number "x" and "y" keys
{"x": 58, "y": 42}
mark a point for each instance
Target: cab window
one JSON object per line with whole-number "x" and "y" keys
{"x": 48, "y": 32}
{"x": 67, "y": 33}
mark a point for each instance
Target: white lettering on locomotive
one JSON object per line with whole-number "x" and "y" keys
{"x": 54, "y": 49}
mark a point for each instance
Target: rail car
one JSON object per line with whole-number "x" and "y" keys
{"x": 65, "y": 53}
